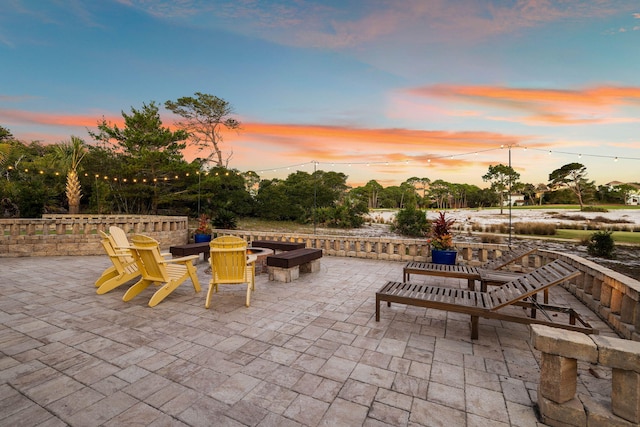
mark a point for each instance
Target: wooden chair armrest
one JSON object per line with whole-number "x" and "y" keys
{"x": 181, "y": 259}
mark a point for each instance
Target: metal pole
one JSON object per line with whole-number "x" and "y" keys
{"x": 315, "y": 194}
{"x": 510, "y": 199}
{"x": 199, "y": 175}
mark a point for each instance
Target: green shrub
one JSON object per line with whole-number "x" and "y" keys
{"x": 341, "y": 216}
{"x": 225, "y": 219}
{"x": 411, "y": 222}
{"x": 601, "y": 245}
{"x": 594, "y": 209}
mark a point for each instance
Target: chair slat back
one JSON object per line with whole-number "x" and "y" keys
{"x": 228, "y": 259}
{"x": 524, "y": 286}
{"x": 146, "y": 252}
{"x": 119, "y": 237}
{"x": 120, "y": 261}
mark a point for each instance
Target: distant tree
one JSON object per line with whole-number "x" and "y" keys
{"x": 624, "y": 190}
{"x": 69, "y": 155}
{"x": 372, "y": 190}
{"x": 251, "y": 182}
{"x": 5, "y": 134}
{"x": 295, "y": 198}
{"x": 204, "y": 116}
{"x": 574, "y": 177}
{"x": 502, "y": 179}
{"x": 541, "y": 189}
{"x": 529, "y": 191}
{"x": 148, "y": 150}
{"x": 420, "y": 184}
{"x": 440, "y": 193}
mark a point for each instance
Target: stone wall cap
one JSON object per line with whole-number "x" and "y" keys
{"x": 560, "y": 342}
{"x": 618, "y": 353}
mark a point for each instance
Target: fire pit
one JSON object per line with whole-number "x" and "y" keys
{"x": 261, "y": 262}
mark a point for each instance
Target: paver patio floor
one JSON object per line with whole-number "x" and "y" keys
{"x": 306, "y": 353}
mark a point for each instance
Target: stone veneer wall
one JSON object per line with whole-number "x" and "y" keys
{"x": 78, "y": 234}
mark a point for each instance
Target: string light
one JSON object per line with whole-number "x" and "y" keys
{"x": 367, "y": 163}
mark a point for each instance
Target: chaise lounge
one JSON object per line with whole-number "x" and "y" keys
{"x": 492, "y": 304}
{"x": 488, "y": 273}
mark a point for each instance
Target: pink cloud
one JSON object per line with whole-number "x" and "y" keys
{"x": 551, "y": 106}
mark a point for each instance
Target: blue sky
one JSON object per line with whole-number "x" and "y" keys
{"x": 382, "y": 90}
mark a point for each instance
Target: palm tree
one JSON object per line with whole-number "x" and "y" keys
{"x": 69, "y": 155}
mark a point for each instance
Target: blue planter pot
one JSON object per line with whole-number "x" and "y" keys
{"x": 443, "y": 257}
{"x": 201, "y": 238}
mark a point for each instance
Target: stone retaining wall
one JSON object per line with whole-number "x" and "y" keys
{"x": 78, "y": 234}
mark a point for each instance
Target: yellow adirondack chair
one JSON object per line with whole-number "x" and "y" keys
{"x": 124, "y": 267}
{"x": 229, "y": 265}
{"x": 169, "y": 273}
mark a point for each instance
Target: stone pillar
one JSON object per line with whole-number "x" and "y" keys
{"x": 558, "y": 377}
{"x": 560, "y": 351}
{"x": 622, "y": 357}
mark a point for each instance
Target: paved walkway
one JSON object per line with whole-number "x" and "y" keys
{"x": 308, "y": 353}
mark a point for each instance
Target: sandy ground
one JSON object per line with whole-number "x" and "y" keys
{"x": 493, "y": 216}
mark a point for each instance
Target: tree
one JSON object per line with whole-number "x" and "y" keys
{"x": 541, "y": 189}
{"x": 204, "y": 116}
{"x": 420, "y": 183}
{"x": 69, "y": 155}
{"x": 372, "y": 189}
{"x": 440, "y": 192}
{"x": 502, "y": 179}
{"x": 5, "y": 134}
{"x": 148, "y": 150}
{"x": 529, "y": 191}
{"x": 574, "y": 177}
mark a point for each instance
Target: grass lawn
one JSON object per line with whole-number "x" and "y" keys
{"x": 618, "y": 236}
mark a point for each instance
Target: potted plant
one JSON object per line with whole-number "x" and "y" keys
{"x": 441, "y": 240}
{"x": 203, "y": 232}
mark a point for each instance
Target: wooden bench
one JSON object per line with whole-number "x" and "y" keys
{"x": 191, "y": 249}
{"x": 277, "y": 246}
{"x": 286, "y": 266}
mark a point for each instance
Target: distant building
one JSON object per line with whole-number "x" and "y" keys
{"x": 514, "y": 200}
{"x": 633, "y": 198}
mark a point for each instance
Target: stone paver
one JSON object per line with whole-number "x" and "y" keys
{"x": 306, "y": 353}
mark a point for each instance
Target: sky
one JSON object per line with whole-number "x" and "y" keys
{"x": 380, "y": 90}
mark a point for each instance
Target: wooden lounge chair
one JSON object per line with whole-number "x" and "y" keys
{"x": 229, "y": 266}
{"x": 461, "y": 271}
{"x": 489, "y": 304}
{"x": 169, "y": 273}
{"x": 124, "y": 267}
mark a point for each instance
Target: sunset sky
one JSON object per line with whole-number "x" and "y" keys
{"x": 377, "y": 89}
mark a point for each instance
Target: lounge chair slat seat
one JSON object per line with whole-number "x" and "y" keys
{"x": 487, "y": 304}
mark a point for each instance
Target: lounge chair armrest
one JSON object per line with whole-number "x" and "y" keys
{"x": 181, "y": 259}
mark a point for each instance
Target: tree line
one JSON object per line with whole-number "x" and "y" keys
{"x": 140, "y": 169}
